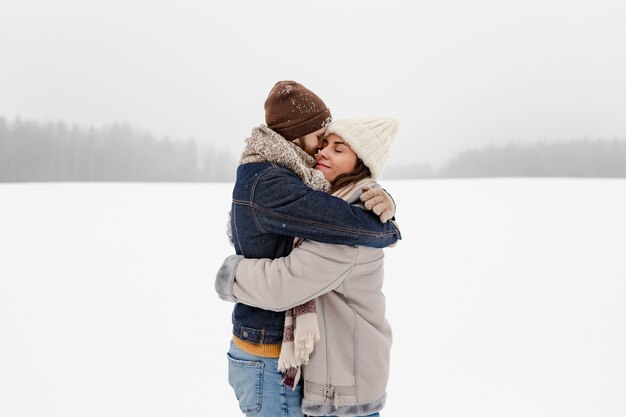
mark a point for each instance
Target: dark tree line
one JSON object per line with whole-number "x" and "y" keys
{"x": 30, "y": 151}
{"x": 576, "y": 158}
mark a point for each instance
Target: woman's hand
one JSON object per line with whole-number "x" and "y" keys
{"x": 380, "y": 202}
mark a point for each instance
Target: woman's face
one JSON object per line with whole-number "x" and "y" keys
{"x": 335, "y": 158}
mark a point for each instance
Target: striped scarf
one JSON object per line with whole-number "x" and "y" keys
{"x": 301, "y": 328}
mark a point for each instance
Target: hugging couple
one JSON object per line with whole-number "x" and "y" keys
{"x": 308, "y": 224}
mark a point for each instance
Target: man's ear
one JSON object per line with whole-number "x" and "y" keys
{"x": 299, "y": 142}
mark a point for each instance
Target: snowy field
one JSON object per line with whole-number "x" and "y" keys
{"x": 507, "y": 298}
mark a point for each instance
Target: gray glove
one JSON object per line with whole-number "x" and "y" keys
{"x": 229, "y": 230}
{"x": 225, "y": 278}
{"x": 380, "y": 202}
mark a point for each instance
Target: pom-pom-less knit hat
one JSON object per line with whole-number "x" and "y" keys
{"x": 293, "y": 111}
{"x": 369, "y": 138}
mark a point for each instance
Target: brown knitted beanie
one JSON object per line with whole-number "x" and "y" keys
{"x": 293, "y": 111}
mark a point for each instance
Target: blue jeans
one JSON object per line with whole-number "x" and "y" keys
{"x": 258, "y": 387}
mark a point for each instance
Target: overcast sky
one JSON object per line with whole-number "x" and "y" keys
{"x": 457, "y": 74}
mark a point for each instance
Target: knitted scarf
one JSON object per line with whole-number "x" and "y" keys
{"x": 265, "y": 145}
{"x": 301, "y": 328}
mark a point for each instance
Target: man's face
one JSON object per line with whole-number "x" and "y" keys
{"x": 311, "y": 142}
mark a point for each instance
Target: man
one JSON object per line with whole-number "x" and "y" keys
{"x": 278, "y": 196}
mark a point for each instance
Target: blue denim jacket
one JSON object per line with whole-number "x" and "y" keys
{"x": 271, "y": 206}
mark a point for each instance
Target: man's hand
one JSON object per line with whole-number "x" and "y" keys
{"x": 380, "y": 202}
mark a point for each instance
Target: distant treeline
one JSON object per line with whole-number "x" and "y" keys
{"x": 31, "y": 151}
{"x": 576, "y": 158}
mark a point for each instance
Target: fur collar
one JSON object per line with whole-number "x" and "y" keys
{"x": 265, "y": 145}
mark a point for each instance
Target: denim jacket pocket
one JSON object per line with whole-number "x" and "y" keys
{"x": 253, "y": 335}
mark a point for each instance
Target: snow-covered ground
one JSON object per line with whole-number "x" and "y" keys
{"x": 507, "y": 298}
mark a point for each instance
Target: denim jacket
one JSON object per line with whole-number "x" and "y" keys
{"x": 271, "y": 206}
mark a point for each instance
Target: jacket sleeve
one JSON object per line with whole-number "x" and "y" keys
{"x": 284, "y": 205}
{"x": 312, "y": 269}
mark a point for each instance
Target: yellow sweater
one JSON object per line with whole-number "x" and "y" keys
{"x": 258, "y": 349}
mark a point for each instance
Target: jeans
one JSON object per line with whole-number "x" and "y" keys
{"x": 258, "y": 387}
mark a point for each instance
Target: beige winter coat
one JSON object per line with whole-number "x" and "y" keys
{"x": 348, "y": 370}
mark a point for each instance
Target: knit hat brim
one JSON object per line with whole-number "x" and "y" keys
{"x": 305, "y": 127}
{"x": 369, "y": 138}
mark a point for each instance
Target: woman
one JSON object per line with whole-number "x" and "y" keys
{"x": 347, "y": 370}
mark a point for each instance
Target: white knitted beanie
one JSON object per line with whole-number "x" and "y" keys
{"x": 369, "y": 138}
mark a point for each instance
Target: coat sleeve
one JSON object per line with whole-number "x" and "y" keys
{"x": 284, "y": 205}
{"x": 312, "y": 269}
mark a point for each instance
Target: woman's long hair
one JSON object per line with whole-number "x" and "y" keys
{"x": 359, "y": 172}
